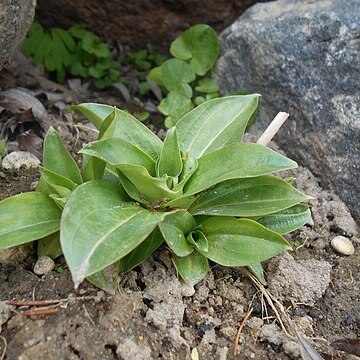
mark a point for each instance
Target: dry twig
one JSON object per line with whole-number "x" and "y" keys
{"x": 273, "y": 128}
{"x": 37, "y": 312}
{"x": 237, "y": 338}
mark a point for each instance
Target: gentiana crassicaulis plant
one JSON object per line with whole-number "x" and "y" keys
{"x": 202, "y": 192}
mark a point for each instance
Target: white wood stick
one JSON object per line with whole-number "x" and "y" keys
{"x": 273, "y": 128}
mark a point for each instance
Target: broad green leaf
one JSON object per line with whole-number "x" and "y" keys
{"x": 152, "y": 189}
{"x": 61, "y": 196}
{"x": 98, "y": 227}
{"x": 181, "y": 202}
{"x": 247, "y": 197}
{"x": 288, "y": 220}
{"x": 174, "y": 73}
{"x": 258, "y": 271}
{"x": 106, "y": 123}
{"x": 156, "y": 76}
{"x": 43, "y": 187}
{"x": 27, "y": 217}
{"x": 192, "y": 268}
{"x": 58, "y": 160}
{"x": 189, "y": 167}
{"x": 60, "y": 191}
{"x": 175, "y": 105}
{"x": 107, "y": 279}
{"x": 50, "y": 246}
{"x": 241, "y": 242}
{"x": 174, "y": 228}
{"x": 238, "y": 160}
{"x": 118, "y": 152}
{"x": 124, "y": 126}
{"x": 53, "y": 178}
{"x": 198, "y": 239}
{"x": 200, "y": 44}
{"x": 92, "y": 168}
{"x": 131, "y": 190}
{"x": 141, "y": 253}
{"x": 207, "y": 86}
{"x": 215, "y": 123}
{"x": 170, "y": 161}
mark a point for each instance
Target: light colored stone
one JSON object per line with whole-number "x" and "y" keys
{"x": 17, "y": 159}
{"x": 342, "y": 245}
{"x": 44, "y": 265}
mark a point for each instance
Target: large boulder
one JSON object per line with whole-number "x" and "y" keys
{"x": 15, "y": 18}
{"x": 139, "y": 22}
{"x": 304, "y": 58}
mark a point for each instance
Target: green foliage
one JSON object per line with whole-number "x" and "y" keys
{"x": 202, "y": 192}
{"x": 145, "y": 59}
{"x": 75, "y": 51}
{"x": 2, "y": 148}
{"x": 184, "y": 78}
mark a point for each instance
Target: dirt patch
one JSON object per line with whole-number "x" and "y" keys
{"x": 154, "y": 315}
{"x": 15, "y": 182}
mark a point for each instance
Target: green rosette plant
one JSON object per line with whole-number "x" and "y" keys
{"x": 202, "y": 192}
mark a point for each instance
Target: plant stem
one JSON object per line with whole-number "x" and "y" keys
{"x": 273, "y": 128}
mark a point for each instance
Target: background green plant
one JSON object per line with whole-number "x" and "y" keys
{"x": 142, "y": 61}
{"x": 184, "y": 77}
{"x": 201, "y": 191}
{"x": 2, "y": 148}
{"x": 75, "y": 51}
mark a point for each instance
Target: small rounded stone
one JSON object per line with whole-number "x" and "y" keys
{"x": 342, "y": 245}
{"x": 44, "y": 265}
{"x": 17, "y": 159}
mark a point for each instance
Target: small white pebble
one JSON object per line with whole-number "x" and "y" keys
{"x": 44, "y": 265}
{"x": 342, "y": 245}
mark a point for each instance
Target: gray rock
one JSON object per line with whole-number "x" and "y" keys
{"x": 5, "y": 313}
{"x": 15, "y": 18}
{"x": 304, "y": 58}
{"x": 17, "y": 159}
{"x": 303, "y": 281}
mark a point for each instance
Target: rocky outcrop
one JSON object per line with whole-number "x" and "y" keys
{"x": 304, "y": 58}
{"x": 139, "y": 22}
{"x": 15, "y": 18}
